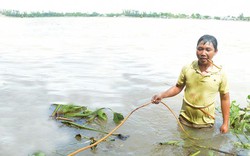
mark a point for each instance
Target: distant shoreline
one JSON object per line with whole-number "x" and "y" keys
{"x": 125, "y": 13}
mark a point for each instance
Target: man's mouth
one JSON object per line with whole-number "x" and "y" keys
{"x": 203, "y": 58}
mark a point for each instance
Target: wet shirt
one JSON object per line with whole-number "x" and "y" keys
{"x": 200, "y": 92}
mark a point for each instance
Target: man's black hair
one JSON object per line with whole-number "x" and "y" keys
{"x": 209, "y": 39}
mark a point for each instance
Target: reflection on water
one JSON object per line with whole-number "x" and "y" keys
{"x": 113, "y": 62}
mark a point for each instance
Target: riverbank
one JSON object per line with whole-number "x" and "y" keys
{"x": 126, "y": 13}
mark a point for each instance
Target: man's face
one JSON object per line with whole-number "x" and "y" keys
{"x": 204, "y": 52}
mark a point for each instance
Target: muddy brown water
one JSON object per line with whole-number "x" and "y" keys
{"x": 117, "y": 63}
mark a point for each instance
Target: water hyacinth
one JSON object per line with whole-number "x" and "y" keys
{"x": 81, "y": 117}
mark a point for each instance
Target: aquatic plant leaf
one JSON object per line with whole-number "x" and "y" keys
{"x": 246, "y": 146}
{"x": 242, "y": 145}
{"x": 87, "y": 112}
{"x": 239, "y": 124}
{"x": 196, "y": 153}
{"x": 70, "y": 108}
{"x": 38, "y": 154}
{"x": 73, "y": 124}
{"x": 101, "y": 115}
{"x": 248, "y": 127}
{"x": 239, "y": 119}
{"x": 173, "y": 142}
{"x": 118, "y": 117}
{"x": 234, "y": 115}
{"x": 211, "y": 153}
{"x": 56, "y": 109}
{"x": 91, "y": 118}
{"x": 75, "y": 115}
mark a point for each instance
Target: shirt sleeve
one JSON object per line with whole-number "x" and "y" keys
{"x": 224, "y": 86}
{"x": 182, "y": 78}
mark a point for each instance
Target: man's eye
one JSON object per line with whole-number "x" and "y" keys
{"x": 208, "y": 49}
{"x": 201, "y": 49}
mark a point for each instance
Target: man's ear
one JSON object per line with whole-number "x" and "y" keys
{"x": 216, "y": 51}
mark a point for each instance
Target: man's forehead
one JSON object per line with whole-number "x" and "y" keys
{"x": 205, "y": 43}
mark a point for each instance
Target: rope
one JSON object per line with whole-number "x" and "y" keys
{"x": 123, "y": 121}
{"x": 213, "y": 64}
{"x": 200, "y": 108}
{"x": 110, "y": 133}
{"x": 205, "y": 112}
{"x": 177, "y": 120}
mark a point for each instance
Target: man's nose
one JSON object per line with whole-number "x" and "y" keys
{"x": 204, "y": 52}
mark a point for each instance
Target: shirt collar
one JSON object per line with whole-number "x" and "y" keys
{"x": 212, "y": 70}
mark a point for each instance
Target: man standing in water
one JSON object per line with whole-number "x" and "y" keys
{"x": 202, "y": 80}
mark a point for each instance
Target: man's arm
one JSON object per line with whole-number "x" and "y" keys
{"x": 168, "y": 93}
{"x": 225, "y": 107}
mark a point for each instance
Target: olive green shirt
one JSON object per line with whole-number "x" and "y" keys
{"x": 200, "y": 92}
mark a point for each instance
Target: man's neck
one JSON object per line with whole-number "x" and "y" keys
{"x": 205, "y": 68}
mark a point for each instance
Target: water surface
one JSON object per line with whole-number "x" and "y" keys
{"x": 108, "y": 62}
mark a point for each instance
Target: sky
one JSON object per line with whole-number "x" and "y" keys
{"x": 207, "y": 7}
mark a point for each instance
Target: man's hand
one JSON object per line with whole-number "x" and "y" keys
{"x": 224, "y": 128}
{"x": 156, "y": 99}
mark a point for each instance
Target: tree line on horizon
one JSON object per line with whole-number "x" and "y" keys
{"x": 125, "y": 13}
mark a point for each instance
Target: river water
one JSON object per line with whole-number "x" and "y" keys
{"x": 119, "y": 63}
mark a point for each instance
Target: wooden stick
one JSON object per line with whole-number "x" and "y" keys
{"x": 214, "y": 64}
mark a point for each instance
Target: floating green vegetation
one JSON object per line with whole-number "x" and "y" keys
{"x": 69, "y": 112}
{"x": 81, "y": 117}
{"x": 240, "y": 123}
{"x": 39, "y": 153}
